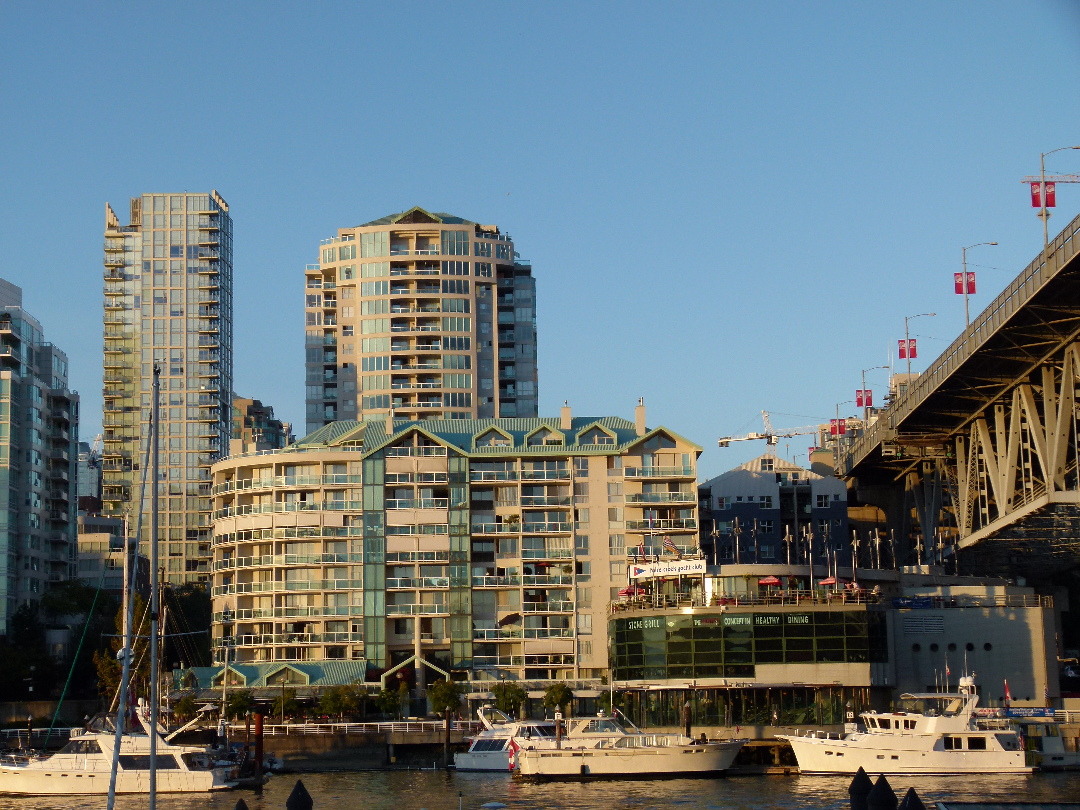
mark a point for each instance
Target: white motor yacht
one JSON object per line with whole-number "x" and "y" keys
{"x": 932, "y": 733}
{"x": 623, "y": 754}
{"x": 490, "y": 748}
{"x": 82, "y": 766}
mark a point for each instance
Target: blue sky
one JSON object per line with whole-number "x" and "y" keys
{"x": 730, "y": 207}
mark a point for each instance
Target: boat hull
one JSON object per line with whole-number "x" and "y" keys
{"x": 45, "y": 782}
{"x": 482, "y": 761}
{"x": 818, "y": 756}
{"x": 668, "y": 762}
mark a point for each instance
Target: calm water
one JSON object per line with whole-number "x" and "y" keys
{"x": 435, "y": 790}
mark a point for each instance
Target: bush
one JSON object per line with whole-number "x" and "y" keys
{"x": 508, "y": 697}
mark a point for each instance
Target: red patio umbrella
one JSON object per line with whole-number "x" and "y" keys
{"x": 827, "y": 581}
{"x": 631, "y": 590}
{"x": 772, "y": 581}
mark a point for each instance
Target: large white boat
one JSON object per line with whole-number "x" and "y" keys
{"x": 490, "y": 748}
{"x": 82, "y": 766}
{"x": 932, "y": 733}
{"x": 624, "y": 755}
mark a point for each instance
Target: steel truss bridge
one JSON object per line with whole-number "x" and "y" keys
{"x": 979, "y": 455}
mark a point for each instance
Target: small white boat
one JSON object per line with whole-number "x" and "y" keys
{"x": 82, "y": 766}
{"x": 624, "y": 755}
{"x": 932, "y": 733}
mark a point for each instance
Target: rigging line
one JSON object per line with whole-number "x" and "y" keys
{"x": 75, "y": 658}
{"x": 135, "y": 637}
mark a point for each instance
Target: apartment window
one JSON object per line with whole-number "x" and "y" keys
{"x": 369, "y": 288}
{"x": 373, "y": 270}
{"x": 374, "y": 244}
{"x": 457, "y": 344}
{"x": 455, "y": 286}
{"x": 616, "y": 545}
{"x": 457, "y": 361}
{"x": 483, "y": 269}
{"x": 767, "y": 464}
{"x": 822, "y": 501}
{"x": 584, "y": 624}
{"x": 457, "y": 324}
{"x": 581, "y": 542}
{"x": 327, "y": 255}
{"x": 455, "y": 243}
{"x": 455, "y": 269}
{"x": 457, "y": 400}
{"x": 455, "y": 305}
{"x": 765, "y": 526}
{"x": 766, "y": 501}
{"x": 346, "y": 252}
{"x": 581, "y": 466}
{"x": 482, "y": 249}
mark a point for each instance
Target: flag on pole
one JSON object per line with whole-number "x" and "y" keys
{"x": 1008, "y": 694}
{"x": 641, "y": 550}
{"x": 669, "y": 545}
{"x": 1036, "y": 195}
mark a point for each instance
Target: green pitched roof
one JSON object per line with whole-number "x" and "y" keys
{"x": 416, "y": 214}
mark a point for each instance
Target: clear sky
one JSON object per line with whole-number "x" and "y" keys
{"x": 730, "y": 207}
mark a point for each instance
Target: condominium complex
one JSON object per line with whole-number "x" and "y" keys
{"x": 254, "y": 423}
{"x": 168, "y": 302}
{"x": 430, "y": 315}
{"x": 39, "y": 425}
{"x": 490, "y": 545}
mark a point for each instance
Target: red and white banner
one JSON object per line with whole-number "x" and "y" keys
{"x": 858, "y": 398}
{"x": 1036, "y": 195}
{"x": 912, "y": 349}
{"x": 958, "y": 283}
{"x": 1051, "y": 194}
{"x": 868, "y": 398}
{"x": 837, "y": 427}
{"x": 902, "y": 346}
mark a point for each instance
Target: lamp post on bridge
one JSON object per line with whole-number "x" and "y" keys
{"x": 907, "y": 335}
{"x": 964, "y": 278}
{"x": 866, "y": 399}
{"x": 1043, "y": 214}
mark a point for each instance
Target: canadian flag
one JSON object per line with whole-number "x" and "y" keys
{"x": 514, "y": 748}
{"x": 1008, "y": 695}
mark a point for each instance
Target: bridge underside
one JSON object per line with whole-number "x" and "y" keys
{"x": 981, "y": 457}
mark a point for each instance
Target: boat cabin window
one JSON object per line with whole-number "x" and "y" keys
{"x": 489, "y": 745}
{"x": 884, "y": 722}
{"x": 1008, "y": 742}
{"x": 976, "y": 743}
{"x": 81, "y": 747}
{"x": 871, "y": 722}
{"x": 601, "y": 725}
{"x": 538, "y": 731}
{"x": 953, "y": 743}
{"x": 141, "y": 762}
{"x": 909, "y": 724}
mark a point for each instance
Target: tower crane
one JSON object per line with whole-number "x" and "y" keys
{"x": 93, "y": 458}
{"x": 771, "y": 436}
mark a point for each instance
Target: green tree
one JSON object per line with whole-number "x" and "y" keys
{"x": 188, "y": 613}
{"x": 388, "y": 702}
{"x": 109, "y": 669}
{"x": 339, "y": 700}
{"x": 445, "y": 696}
{"x": 509, "y": 695}
{"x": 285, "y": 704}
{"x": 185, "y": 708}
{"x": 558, "y": 696}
{"x": 239, "y": 703}
{"x": 605, "y": 701}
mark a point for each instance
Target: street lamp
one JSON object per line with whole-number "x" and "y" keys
{"x": 1043, "y": 214}
{"x": 964, "y": 278}
{"x": 907, "y": 335}
{"x": 866, "y": 402}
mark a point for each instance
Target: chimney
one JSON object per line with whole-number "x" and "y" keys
{"x": 564, "y": 416}
{"x": 639, "y": 417}
{"x": 390, "y": 423}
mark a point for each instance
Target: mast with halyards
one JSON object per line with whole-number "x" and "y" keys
{"x": 155, "y": 589}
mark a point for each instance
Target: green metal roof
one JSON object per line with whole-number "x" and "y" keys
{"x": 439, "y": 217}
{"x": 462, "y": 434}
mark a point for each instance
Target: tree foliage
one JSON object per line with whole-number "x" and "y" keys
{"x": 509, "y": 696}
{"x": 105, "y": 661}
{"x": 339, "y": 700}
{"x": 445, "y": 696}
{"x": 388, "y": 702}
{"x": 558, "y": 696}
{"x": 285, "y": 704}
{"x": 239, "y": 703}
{"x": 185, "y": 708}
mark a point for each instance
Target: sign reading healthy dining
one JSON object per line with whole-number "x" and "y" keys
{"x": 674, "y": 568}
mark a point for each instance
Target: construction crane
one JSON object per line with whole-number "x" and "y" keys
{"x": 93, "y": 458}
{"x": 772, "y": 437}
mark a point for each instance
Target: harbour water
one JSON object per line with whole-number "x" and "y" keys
{"x": 438, "y": 790}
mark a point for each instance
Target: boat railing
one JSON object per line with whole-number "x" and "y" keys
{"x": 817, "y": 734}
{"x": 417, "y": 726}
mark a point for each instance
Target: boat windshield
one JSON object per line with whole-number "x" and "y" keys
{"x": 602, "y": 725}
{"x": 78, "y": 746}
{"x": 529, "y": 732}
{"x": 931, "y": 706}
{"x": 492, "y": 716}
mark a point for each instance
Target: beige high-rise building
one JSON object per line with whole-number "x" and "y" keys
{"x": 168, "y": 302}
{"x": 428, "y": 314}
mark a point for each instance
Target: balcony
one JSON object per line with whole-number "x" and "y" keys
{"x": 662, "y": 497}
{"x": 547, "y": 527}
{"x": 659, "y": 472}
{"x": 545, "y": 475}
{"x": 417, "y": 610}
{"x": 496, "y": 582}
{"x": 545, "y": 500}
{"x": 418, "y": 503}
{"x": 547, "y": 607}
{"x": 495, "y": 528}
{"x": 661, "y": 524}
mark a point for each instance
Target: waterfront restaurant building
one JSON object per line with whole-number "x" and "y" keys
{"x": 487, "y": 547}
{"x": 773, "y": 645}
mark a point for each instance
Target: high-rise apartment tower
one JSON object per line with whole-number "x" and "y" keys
{"x": 430, "y": 315}
{"x": 168, "y": 301}
{"x": 39, "y": 427}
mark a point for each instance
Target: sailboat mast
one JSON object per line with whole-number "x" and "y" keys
{"x": 155, "y": 590}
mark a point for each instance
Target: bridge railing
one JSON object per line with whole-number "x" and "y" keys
{"x": 1030, "y": 280}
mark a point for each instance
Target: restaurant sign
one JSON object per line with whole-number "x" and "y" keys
{"x": 673, "y": 568}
